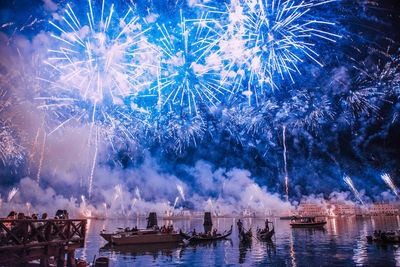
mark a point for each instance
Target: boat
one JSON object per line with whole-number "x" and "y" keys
{"x": 152, "y": 234}
{"x": 107, "y": 236}
{"x": 384, "y": 237}
{"x": 306, "y": 222}
{"x": 245, "y": 236}
{"x": 265, "y": 234}
{"x": 102, "y": 262}
{"x": 204, "y": 237}
{"x": 149, "y": 236}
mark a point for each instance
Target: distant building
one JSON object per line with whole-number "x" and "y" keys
{"x": 248, "y": 213}
{"x": 343, "y": 208}
{"x": 198, "y": 214}
{"x": 383, "y": 208}
{"x": 308, "y": 208}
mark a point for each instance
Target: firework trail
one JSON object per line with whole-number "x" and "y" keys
{"x": 284, "y": 159}
{"x": 93, "y": 165}
{"x": 11, "y": 194}
{"x": 41, "y": 158}
{"x": 180, "y": 189}
{"x": 350, "y": 183}
{"x": 389, "y": 182}
{"x": 118, "y": 194}
{"x": 191, "y": 73}
{"x": 133, "y": 203}
{"x": 175, "y": 202}
{"x": 275, "y": 37}
{"x": 137, "y": 193}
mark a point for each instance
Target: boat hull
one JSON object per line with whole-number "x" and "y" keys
{"x": 107, "y": 237}
{"x": 205, "y": 239}
{"x": 126, "y": 239}
{"x": 308, "y": 225}
{"x": 265, "y": 236}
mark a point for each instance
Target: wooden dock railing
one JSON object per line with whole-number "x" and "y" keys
{"x": 26, "y": 240}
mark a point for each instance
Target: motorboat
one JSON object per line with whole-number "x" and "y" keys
{"x": 307, "y": 222}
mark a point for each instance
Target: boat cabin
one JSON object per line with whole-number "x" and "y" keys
{"x": 305, "y": 220}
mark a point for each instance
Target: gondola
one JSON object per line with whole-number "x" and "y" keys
{"x": 201, "y": 238}
{"x": 245, "y": 237}
{"x": 263, "y": 235}
{"x": 266, "y": 234}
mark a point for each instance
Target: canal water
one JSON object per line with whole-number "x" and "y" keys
{"x": 342, "y": 243}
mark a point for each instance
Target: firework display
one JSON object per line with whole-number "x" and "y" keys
{"x": 273, "y": 84}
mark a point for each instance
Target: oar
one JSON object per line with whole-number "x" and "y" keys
{"x": 187, "y": 241}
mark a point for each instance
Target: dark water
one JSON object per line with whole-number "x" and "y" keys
{"x": 342, "y": 243}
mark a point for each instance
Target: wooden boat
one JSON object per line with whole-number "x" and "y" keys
{"x": 145, "y": 237}
{"x": 384, "y": 237}
{"x": 245, "y": 236}
{"x": 306, "y": 222}
{"x": 203, "y": 237}
{"x": 102, "y": 262}
{"x": 107, "y": 236}
{"x": 263, "y": 235}
{"x": 266, "y": 234}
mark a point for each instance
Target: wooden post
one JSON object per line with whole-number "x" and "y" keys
{"x": 207, "y": 222}
{"x": 71, "y": 259}
{"x": 152, "y": 220}
{"x": 44, "y": 261}
{"x": 61, "y": 258}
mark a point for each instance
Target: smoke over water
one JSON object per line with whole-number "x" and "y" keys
{"x": 261, "y": 135}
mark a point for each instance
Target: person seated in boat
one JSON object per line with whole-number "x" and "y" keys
{"x": 127, "y": 229}
{"x": 194, "y": 232}
{"x": 383, "y": 236}
{"x": 134, "y": 229}
{"x": 266, "y": 226}
{"x": 214, "y": 233}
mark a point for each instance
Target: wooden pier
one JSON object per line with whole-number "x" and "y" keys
{"x": 26, "y": 240}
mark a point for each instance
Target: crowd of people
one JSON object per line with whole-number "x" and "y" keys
{"x": 24, "y": 228}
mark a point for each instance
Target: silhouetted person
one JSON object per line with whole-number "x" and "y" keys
{"x": 20, "y": 230}
{"x": 266, "y": 225}
{"x": 240, "y": 226}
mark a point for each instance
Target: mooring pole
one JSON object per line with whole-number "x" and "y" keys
{"x": 61, "y": 258}
{"x": 71, "y": 259}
